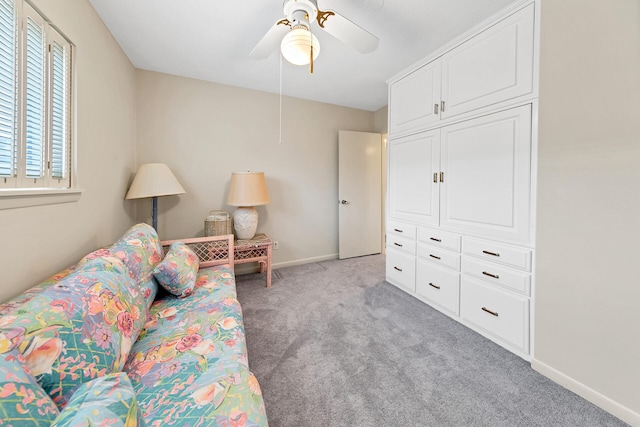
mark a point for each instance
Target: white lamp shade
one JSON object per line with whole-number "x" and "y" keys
{"x": 248, "y": 189}
{"x": 154, "y": 179}
{"x": 296, "y": 46}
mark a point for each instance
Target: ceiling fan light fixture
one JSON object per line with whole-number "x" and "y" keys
{"x": 296, "y": 46}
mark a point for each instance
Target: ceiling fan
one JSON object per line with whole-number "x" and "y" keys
{"x": 297, "y": 42}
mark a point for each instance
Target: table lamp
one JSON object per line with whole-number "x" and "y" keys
{"x": 154, "y": 180}
{"x": 247, "y": 189}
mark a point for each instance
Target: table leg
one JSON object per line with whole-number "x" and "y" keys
{"x": 269, "y": 266}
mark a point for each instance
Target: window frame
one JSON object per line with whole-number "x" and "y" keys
{"x": 16, "y": 190}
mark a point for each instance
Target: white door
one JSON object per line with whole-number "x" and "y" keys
{"x": 486, "y": 164}
{"x": 415, "y": 99}
{"x": 360, "y": 193}
{"x": 493, "y": 66}
{"x": 414, "y": 165}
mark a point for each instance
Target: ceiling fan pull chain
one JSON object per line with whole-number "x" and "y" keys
{"x": 311, "y": 62}
{"x": 280, "y": 140}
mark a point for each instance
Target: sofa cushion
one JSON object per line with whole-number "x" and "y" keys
{"x": 177, "y": 271}
{"x": 80, "y": 328}
{"x": 105, "y": 259}
{"x": 140, "y": 250}
{"x": 191, "y": 358}
{"x": 22, "y": 401}
{"x": 108, "y": 400}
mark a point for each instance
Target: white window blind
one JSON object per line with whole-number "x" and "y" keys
{"x": 8, "y": 89}
{"x": 35, "y": 100}
{"x": 60, "y": 114}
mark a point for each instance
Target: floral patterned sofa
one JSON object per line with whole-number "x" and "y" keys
{"x": 101, "y": 343}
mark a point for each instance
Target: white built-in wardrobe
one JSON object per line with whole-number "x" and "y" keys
{"x": 461, "y": 178}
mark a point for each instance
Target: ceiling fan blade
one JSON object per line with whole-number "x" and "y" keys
{"x": 347, "y": 32}
{"x": 271, "y": 40}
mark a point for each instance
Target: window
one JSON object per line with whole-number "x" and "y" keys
{"x": 35, "y": 95}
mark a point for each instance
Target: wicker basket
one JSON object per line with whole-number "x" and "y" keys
{"x": 218, "y": 223}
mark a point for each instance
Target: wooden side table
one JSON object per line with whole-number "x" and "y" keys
{"x": 257, "y": 250}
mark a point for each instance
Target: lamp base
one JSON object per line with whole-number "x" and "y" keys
{"x": 245, "y": 222}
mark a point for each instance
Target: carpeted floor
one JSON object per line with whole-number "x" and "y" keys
{"x": 333, "y": 344}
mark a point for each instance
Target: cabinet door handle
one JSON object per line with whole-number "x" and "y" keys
{"x": 399, "y": 269}
{"x": 493, "y": 313}
{"x": 435, "y": 177}
{"x": 495, "y": 276}
{"x": 441, "y": 176}
{"x": 491, "y": 253}
{"x": 434, "y": 239}
{"x": 442, "y": 106}
{"x": 434, "y": 256}
{"x": 434, "y": 286}
{"x": 397, "y": 244}
{"x": 397, "y": 230}
{"x": 435, "y": 109}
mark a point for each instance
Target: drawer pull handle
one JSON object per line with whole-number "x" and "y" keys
{"x": 495, "y": 276}
{"x": 435, "y": 240}
{"x": 399, "y": 269}
{"x": 397, "y": 244}
{"x": 491, "y": 253}
{"x": 435, "y": 177}
{"x": 434, "y": 256}
{"x": 397, "y": 230}
{"x": 493, "y": 313}
{"x": 434, "y": 286}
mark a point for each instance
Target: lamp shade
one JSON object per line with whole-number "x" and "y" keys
{"x": 296, "y": 46}
{"x": 152, "y": 180}
{"x": 248, "y": 189}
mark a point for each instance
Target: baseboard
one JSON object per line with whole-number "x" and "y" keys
{"x": 598, "y": 399}
{"x": 249, "y": 268}
{"x": 305, "y": 261}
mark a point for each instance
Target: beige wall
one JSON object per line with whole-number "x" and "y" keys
{"x": 205, "y": 131}
{"x": 36, "y": 242}
{"x": 381, "y": 121}
{"x": 588, "y": 286}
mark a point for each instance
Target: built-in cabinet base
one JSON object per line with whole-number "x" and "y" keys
{"x": 481, "y": 283}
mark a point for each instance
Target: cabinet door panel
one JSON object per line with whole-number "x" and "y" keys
{"x": 401, "y": 270}
{"x": 487, "y": 168}
{"x": 501, "y": 315}
{"x": 494, "y": 66}
{"x": 438, "y": 286}
{"x": 413, "y": 160}
{"x": 412, "y": 99}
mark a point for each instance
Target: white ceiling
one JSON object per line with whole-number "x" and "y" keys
{"x": 211, "y": 40}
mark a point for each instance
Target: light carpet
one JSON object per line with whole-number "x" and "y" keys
{"x": 333, "y": 344}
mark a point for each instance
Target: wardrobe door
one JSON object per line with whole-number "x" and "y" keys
{"x": 413, "y": 100}
{"x": 494, "y": 66}
{"x": 486, "y": 163}
{"x": 413, "y": 171}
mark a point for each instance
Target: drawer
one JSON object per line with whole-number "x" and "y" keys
{"x": 401, "y": 270}
{"x": 401, "y": 229}
{"x": 497, "y": 252}
{"x": 501, "y": 315}
{"x": 438, "y": 286}
{"x": 401, "y": 244}
{"x": 439, "y": 238}
{"x": 439, "y": 256}
{"x": 498, "y": 275}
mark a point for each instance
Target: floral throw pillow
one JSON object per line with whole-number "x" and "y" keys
{"x": 22, "y": 401}
{"x": 105, "y": 401}
{"x": 178, "y": 270}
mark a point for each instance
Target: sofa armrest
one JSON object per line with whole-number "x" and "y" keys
{"x": 212, "y": 250}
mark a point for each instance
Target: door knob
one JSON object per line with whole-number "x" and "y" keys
{"x": 344, "y": 202}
